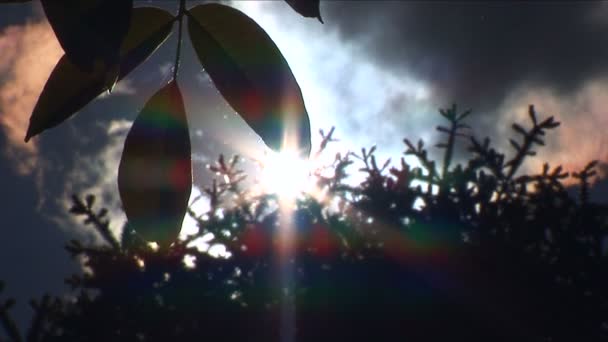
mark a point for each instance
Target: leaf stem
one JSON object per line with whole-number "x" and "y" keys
{"x": 180, "y": 16}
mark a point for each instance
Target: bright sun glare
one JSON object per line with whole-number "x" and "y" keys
{"x": 285, "y": 174}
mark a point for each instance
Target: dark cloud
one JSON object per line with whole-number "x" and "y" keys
{"x": 475, "y": 53}
{"x": 16, "y": 14}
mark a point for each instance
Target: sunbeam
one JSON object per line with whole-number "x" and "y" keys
{"x": 286, "y": 175}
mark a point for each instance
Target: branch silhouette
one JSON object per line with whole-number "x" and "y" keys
{"x": 490, "y": 257}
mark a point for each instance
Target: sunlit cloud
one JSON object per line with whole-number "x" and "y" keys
{"x": 581, "y": 136}
{"x": 29, "y": 53}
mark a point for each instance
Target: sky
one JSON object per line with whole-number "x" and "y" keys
{"x": 378, "y": 71}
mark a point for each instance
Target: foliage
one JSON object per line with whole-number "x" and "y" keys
{"x": 241, "y": 59}
{"x": 159, "y": 137}
{"x": 490, "y": 255}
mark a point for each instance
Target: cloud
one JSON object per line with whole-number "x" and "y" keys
{"x": 96, "y": 174}
{"x": 29, "y": 53}
{"x": 475, "y": 53}
{"x": 583, "y": 114}
{"x": 380, "y": 70}
{"x": 342, "y": 85}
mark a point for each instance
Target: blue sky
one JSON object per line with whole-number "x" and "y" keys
{"x": 378, "y": 71}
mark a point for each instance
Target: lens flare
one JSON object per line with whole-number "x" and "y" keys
{"x": 285, "y": 174}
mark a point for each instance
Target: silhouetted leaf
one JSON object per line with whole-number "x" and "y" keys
{"x": 128, "y": 238}
{"x": 250, "y": 72}
{"x": 307, "y": 8}
{"x": 102, "y": 213}
{"x": 538, "y": 141}
{"x": 78, "y": 206}
{"x": 464, "y": 115}
{"x": 443, "y": 129}
{"x": 515, "y": 145}
{"x": 532, "y": 114}
{"x": 550, "y": 123}
{"x": 90, "y": 199}
{"x": 154, "y": 175}
{"x": 68, "y": 89}
{"x": 90, "y": 31}
{"x": 518, "y": 129}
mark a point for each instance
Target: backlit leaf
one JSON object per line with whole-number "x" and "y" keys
{"x": 155, "y": 174}
{"x": 251, "y": 74}
{"x": 68, "y": 88}
{"x": 89, "y": 31}
{"x": 306, "y": 8}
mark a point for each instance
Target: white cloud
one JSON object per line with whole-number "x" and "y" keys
{"x": 97, "y": 174}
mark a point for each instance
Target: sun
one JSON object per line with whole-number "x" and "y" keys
{"x": 285, "y": 174}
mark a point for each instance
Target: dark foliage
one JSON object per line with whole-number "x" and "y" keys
{"x": 492, "y": 255}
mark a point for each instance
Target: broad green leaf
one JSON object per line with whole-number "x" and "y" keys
{"x": 90, "y": 31}
{"x": 68, "y": 88}
{"x": 155, "y": 173}
{"x": 306, "y": 8}
{"x": 251, "y": 74}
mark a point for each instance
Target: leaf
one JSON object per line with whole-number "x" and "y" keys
{"x": 592, "y": 164}
{"x": 519, "y": 129}
{"x": 69, "y": 89}
{"x": 90, "y": 199}
{"x": 102, "y": 213}
{"x": 464, "y": 115}
{"x": 443, "y": 129}
{"x": 155, "y": 173}
{"x": 307, "y": 8}
{"x": 90, "y": 31}
{"x": 515, "y": 145}
{"x": 130, "y": 241}
{"x": 251, "y": 74}
{"x": 532, "y": 114}
{"x": 77, "y": 207}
